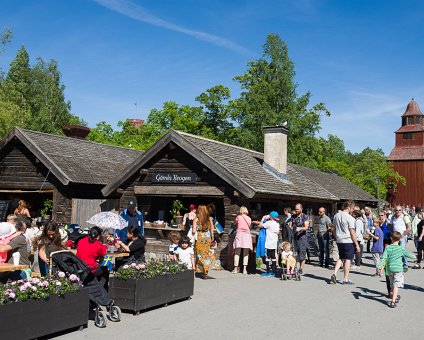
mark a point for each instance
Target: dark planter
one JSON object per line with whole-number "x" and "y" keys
{"x": 141, "y": 294}
{"x": 35, "y": 318}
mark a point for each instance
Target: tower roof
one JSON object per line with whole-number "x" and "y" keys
{"x": 412, "y": 109}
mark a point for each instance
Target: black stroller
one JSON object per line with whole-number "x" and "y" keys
{"x": 69, "y": 263}
{"x": 288, "y": 236}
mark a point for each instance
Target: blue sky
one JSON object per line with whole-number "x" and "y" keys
{"x": 362, "y": 58}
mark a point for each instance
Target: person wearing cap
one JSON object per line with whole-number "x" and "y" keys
{"x": 272, "y": 228}
{"x": 133, "y": 217}
{"x": 300, "y": 224}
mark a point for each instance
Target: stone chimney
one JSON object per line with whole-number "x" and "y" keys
{"x": 275, "y": 150}
{"x": 76, "y": 131}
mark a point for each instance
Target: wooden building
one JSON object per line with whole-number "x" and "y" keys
{"x": 201, "y": 171}
{"x": 35, "y": 166}
{"x": 408, "y": 158}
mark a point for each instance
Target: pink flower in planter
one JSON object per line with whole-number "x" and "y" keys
{"x": 58, "y": 283}
{"x": 23, "y": 288}
{"x": 133, "y": 265}
{"x": 35, "y": 281}
{"x": 61, "y": 274}
{"x": 34, "y": 288}
{"x": 27, "y": 284}
{"x": 11, "y": 295}
{"x": 125, "y": 266}
{"x": 73, "y": 278}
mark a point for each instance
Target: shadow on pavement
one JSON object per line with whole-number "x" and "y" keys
{"x": 412, "y": 287}
{"x": 315, "y": 277}
{"x": 378, "y": 298}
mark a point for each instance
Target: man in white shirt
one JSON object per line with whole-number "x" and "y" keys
{"x": 402, "y": 224}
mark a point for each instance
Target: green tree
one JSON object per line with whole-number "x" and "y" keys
{"x": 216, "y": 113}
{"x": 50, "y": 110}
{"x": 34, "y": 96}
{"x": 269, "y": 97}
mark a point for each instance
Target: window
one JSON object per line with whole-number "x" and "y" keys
{"x": 418, "y": 120}
{"x": 409, "y": 135}
{"x": 410, "y": 120}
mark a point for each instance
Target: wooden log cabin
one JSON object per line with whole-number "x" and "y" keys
{"x": 36, "y": 166}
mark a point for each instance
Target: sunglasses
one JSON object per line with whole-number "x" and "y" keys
{"x": 398, "y": 209}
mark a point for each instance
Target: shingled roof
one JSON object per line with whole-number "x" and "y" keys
{"x": 337, "y": 185}
{"x": 242, "y": 168}
{"x": 74, "y": 160}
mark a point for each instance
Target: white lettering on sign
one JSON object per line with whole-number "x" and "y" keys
{"x": 174, "y": 178}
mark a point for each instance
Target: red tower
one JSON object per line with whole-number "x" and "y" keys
{"x": 408, "y": 157}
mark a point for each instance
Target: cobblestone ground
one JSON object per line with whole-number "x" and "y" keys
{"x": 234, "y": 306}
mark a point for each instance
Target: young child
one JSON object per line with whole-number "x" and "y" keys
{"x": 174, "y": 237}
{"x": 185, "y": 253}
{"x": 392, "y": 263}
{"x": 377, "y": 247}
{"x": 287, "y": 257}
{"x": 272, "y": 227}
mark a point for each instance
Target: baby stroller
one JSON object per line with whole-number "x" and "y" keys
{"x": 288, "y": 236}
{"x": 69, "y": 263}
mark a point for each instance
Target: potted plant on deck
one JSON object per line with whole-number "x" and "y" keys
{"x": 40, "y": 306}
{"x": 47, "y": 208}
{"x": 176, "y": 207}
{"x": 139, "y": 286}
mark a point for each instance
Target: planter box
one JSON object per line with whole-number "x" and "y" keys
{"x": 137, "y": 295}
{"x": 35, "y": 318}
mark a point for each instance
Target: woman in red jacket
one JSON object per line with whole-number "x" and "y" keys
{"x": 92, "y": 251}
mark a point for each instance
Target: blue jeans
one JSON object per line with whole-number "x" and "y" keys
{"x": 402, "y": 243}
{"x": 324, "y": 249}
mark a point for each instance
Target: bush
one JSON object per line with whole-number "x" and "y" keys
{"x": 150, "y": 269}
{"x": 38, "y": 288}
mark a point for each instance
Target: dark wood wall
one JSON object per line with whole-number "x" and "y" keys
{"x": 19, "y": 169}
{"x": 412, "y": 193}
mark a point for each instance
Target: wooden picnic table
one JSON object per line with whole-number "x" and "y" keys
{"x": 7, "y": 267}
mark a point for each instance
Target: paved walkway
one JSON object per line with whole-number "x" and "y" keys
{"x": 234, "y": 306}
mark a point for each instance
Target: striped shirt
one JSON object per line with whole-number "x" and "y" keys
{"x": 392, "y": 257}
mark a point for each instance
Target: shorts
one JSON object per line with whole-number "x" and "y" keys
{"x": 396, "y": 280}
{"x": 301, "y": 245}
{"x": 346, "y": 251}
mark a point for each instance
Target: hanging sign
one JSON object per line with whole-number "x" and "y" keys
{"x": 179, "y": 177}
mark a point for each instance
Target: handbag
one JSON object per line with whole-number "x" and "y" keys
{"x": 366, "y": 236}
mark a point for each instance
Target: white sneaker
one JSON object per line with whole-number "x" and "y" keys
{"x": 353, "y": 267}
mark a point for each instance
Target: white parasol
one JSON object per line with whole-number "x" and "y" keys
{"x": 107, "y": 220}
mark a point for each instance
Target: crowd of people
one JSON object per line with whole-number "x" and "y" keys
{"x": 282, "y": 242}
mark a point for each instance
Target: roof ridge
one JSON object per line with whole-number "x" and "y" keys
{"x": 77, "y": 139}
{"x": 218, "y": 142}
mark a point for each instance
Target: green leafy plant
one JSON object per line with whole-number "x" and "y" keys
{"x": 47, "y": 207}
{"x": 150, "y": 269}
{"x": 38, "y": 288}
{"x": 176, "y": 207}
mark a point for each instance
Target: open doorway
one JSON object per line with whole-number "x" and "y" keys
{"x": 35, "y": 201}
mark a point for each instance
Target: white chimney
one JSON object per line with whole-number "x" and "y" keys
{"x": 275, "y": 150}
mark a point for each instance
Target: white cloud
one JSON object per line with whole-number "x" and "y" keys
{"x": 139, "y": 13}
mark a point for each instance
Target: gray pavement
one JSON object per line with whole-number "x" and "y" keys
{"x": 234, "y": 306}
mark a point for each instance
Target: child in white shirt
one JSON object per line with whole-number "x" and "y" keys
{"x": 185, "y": 253}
